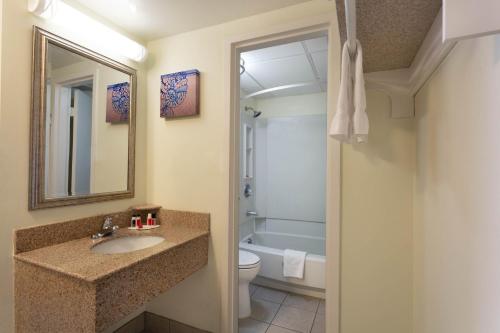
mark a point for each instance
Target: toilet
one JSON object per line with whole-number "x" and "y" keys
{"x": 248, "y": 267}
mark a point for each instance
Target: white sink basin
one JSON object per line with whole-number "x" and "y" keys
{"x": 127, "y": 244}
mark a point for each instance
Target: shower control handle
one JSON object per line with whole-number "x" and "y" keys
{"x": 251, "y": 213}
{"x": 247, "y": 191}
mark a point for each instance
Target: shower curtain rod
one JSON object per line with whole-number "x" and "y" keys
{"x": 350, "y": 24}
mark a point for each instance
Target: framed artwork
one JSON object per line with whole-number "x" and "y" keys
{"x": 118, "y": 103}
{"x": 180, "y": 94}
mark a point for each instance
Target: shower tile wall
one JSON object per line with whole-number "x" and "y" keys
{"x": 246, "y": 203}
{"x": 290, "y": 173}
{"x": 261, "y": 165}
{"x": 296, "y": 227}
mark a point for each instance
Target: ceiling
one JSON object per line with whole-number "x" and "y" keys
{"x": 300, "y": 63}
{"x": 153, "y": 19}
{"x": 390, "y": 31}
{"x": 59, "y": 57}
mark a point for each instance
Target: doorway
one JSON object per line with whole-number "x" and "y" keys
{"x": 246, "y": 168}
{"x": 283, "y": 187}
{"x": 69, "y": 128}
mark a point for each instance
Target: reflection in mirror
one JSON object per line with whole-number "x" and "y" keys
{"x": 83, "y": 125}
{"x": 86, "y": 126}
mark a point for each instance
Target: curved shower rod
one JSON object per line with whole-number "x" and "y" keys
{"x": 279, "y": 88}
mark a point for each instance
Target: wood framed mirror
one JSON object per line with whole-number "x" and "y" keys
{"x": 82, "y": 125}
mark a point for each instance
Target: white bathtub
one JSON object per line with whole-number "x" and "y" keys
{"x": 269, "y": 247}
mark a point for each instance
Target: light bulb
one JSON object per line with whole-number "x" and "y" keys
{"x": 87, "y": 31}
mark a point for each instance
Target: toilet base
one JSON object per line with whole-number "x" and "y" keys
{"x": 245, "y": 309}
{"x": 249, "y": 266}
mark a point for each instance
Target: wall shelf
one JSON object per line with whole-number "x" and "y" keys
{"x": 402, "y": 85}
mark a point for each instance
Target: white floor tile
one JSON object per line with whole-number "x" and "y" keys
{"x": 302, "y": 302}
{"x": 249, "y": 325}
{"x": 269, "y": 295}
{"x": 294, "y": 319}
{"x": 264, "y": 310}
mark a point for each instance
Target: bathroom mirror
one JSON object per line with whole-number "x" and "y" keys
{"x": 82, "y": 125}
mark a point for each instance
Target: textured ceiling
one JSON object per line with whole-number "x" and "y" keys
{"x": 390, "y": 31}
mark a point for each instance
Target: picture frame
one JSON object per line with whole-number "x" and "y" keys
{"x": 180, "y": 94}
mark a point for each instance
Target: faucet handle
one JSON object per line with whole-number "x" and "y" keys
{"x": 108, "y": 228}
{"x": 108, "y": 222}
{"x": 251, "y": 213}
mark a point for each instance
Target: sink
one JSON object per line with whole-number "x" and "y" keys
{"x": 127, "y": 244}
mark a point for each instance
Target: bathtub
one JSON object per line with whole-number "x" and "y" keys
{"x": 269, "y": 247}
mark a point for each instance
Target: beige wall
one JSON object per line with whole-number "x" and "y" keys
{"x": 457, "y": 212}
{"x": 110, "y": 155}
{"x": 109, "y": 151}
{"x": 188, "y": 164}
{"x": 188, "y": 169}
{"x": 16, "y": 51}
{"x": 377, "y": 180}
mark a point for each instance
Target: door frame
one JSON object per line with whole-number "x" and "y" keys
{"x": 323, "y": 25}
{"x": 67, "y": 81}
{"x": 76, "y": 119}
{"x": 59, "y": 137}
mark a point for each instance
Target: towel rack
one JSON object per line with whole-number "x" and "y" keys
{"x": 350, "y": 24}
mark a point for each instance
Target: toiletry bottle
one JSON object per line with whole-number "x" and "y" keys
{"x": 150, "y": 219}
{"x": 138, "y": 222}
{"x": 132, "y": 221}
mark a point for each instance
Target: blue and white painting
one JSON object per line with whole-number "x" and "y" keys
{"x": 179, "y": 94}
{"x": 118, "y": 103}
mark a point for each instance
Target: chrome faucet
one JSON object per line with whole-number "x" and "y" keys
{"x": 251, "y": 213}
{"x": 108, "y": 228}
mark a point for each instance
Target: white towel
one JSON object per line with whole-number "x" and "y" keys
{"x": 350, "y": 122}
{"x": 294, "y": 263}
{"x": 360, "y": 118}
{"x": 340, "y": 127}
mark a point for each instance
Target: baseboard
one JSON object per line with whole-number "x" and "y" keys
{"x": 285, "y": 286}
{"x": 148, "y": 322}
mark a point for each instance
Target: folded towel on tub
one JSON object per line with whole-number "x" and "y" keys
{"x": 294, "y": 263}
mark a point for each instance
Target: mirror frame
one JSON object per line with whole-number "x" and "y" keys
{"x": 37, "y": 198}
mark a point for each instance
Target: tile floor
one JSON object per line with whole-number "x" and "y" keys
{"x": 275, "y": 311}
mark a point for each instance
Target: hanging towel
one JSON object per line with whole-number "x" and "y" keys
{"x": 360, "y": 118}
{"x": 350, "y": 122}
{"x": 340, "y": 127}
{"x": 294, "y": 263}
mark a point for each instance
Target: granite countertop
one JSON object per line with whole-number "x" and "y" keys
{"x": 75, "y": 257}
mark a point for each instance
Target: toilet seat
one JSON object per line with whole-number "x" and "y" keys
{"x": 248, "y": 260}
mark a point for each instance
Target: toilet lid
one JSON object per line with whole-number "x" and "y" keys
{"x": 248, "y": 259}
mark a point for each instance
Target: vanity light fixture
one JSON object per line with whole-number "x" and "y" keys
{"x": 42, "y": 8}
{"x": 86, "y": 30}
{"x": 132, "y": 6}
